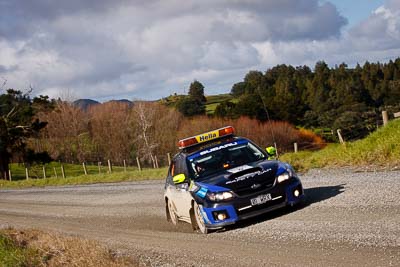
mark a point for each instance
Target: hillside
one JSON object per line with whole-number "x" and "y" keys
{"x": 379, "y": 149}
{"x": 84, "y": 104}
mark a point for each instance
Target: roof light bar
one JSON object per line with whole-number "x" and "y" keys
{"x": 205, "y": 137}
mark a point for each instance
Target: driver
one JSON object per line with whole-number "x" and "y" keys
{"x": 200, "y": 168}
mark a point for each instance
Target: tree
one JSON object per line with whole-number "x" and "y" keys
{"x": 67, "y": 136}
{"x": 251, "y": 105}
{"x": 196, "y": 91}
{"x": 238, "y": 89}
{"x": 189, "y": 106}
{"x": 144, "y": 130}
{"x": 17, "y": 124}
{"x": 253, "y": 81}
{"x": 225, "y": 109}
{"x": 111, "y": 130}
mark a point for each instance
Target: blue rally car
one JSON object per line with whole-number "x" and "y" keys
{"x": 218, "y": 179}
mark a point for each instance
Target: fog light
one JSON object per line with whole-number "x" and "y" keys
{"x": 221, "y": 216}
{"x": 296, "y": 193}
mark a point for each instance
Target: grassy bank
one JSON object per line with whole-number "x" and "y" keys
{"x": 36, "y": 248}
{"x": 381, "y": 148}
{"x": 135, "y": 175}
{"x": 53, "y": 169}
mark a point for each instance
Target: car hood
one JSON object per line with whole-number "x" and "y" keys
{"x": 253, "y": 175}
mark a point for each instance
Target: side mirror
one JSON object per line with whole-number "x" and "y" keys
{"x": 179, "y": 178}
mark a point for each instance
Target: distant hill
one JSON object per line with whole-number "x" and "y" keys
{"x": 125, "y": 101}
{"x": 85, "y": 103}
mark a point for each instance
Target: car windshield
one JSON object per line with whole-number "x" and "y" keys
{"x": 223, "y": 157}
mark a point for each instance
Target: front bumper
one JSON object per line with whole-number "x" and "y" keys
{"x": 241, "y": 208}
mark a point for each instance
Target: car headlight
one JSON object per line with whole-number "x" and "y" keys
{"x": 283, "y": 177}
{"x": 220, "y": 196}
{"x": 287, "y": 174}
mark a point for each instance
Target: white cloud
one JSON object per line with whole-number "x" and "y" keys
{"x": 149, "y": 49}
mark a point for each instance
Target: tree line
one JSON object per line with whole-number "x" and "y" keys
{"x": 340, "y": 97}
{"x": 350, "y": 99}
{"x": 39, "y": 130}
{"x": 147, "y": 130}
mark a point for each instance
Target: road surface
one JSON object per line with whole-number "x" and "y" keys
{"x": 350, "y": 219}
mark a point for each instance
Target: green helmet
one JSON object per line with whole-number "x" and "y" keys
{"x": 271, "y": 150}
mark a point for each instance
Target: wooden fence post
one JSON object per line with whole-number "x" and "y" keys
{"x": 55, "y": 172}
{"x": 276, "y": 149}
{"x": 84, "y": 168}
{"x": 26, "y": 173}
{"x": 9, "y": 175}
{"x": 62, "y": 171}
{"x": 339, "y": 132}
{"x": 124, "y": 165}
{"x": 169, "y": 158}
{"x": 385, "y": 117}
{"x": 138, "y": 164}
{"x": 109, "y": 166}
{"x": 44, "y": 172}
{"x": 99, "y": 164}
{"x": 295, "y": 147}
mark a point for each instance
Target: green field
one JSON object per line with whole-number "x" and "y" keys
{"x": 53, "y": 170}
{"x": 380, "y": 149}
{"x": 74, "y": 175}
{"x": 214, "y": 100}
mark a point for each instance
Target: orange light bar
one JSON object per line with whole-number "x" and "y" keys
{"x": 187, "y": 142}
{"x": 226, "y": 131}
{"x": 205, "y": 137}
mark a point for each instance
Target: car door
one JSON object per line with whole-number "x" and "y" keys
{"x": 179, "y": 193}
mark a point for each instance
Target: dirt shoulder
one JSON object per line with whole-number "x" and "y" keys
{"x": 351, "y": 218}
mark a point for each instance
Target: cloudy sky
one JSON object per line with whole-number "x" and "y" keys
{"x": 149, "y": 49}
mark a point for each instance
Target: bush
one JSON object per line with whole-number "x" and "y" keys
{"x": 308, "y": 140}
{"x": 264, "y": 134}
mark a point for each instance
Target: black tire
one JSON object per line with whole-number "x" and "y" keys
{"x": 171, "y": 213}
{"x": 199, "y": 219}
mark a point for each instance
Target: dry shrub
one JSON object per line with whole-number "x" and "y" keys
{"x": 200, "y": 124}
{"x": 58, "y": 250}
{"x": 155, "y": 127}
{"x": 264, "y": 134}
{"x": 111, "y": 131}
{"x": 66, "y": 133}
{"x": 267, "y": 133}
{"x": 308, "y": 140}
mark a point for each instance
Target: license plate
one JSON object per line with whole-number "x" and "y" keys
{"x": 261, "y": 199}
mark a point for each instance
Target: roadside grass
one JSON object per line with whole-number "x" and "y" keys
{"x": 381, "y": 148}
{"x": 13, "y": 255}
{"x": 129, "y": 175}
{"x": 36, "y": 248}
{"x": 53, "y": 169}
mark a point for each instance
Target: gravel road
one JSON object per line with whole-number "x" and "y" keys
{"x": 350, "y": 219}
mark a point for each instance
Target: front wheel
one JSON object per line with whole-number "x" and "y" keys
{"x": 171, "y": 213}
{"x": 199, "y": 219}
